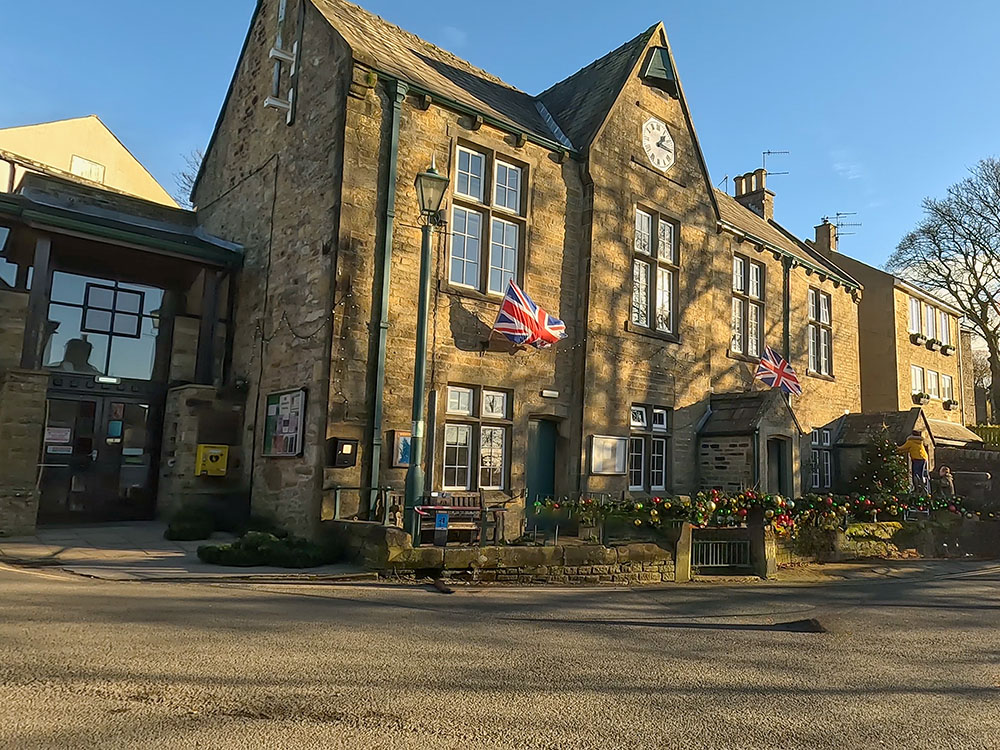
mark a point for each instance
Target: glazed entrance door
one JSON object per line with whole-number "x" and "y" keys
{"x": 96, "y": 460}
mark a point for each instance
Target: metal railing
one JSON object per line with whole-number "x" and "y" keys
{"x": 374, "y": 504}
{"x": 721, "y": 553}
{"x": 989, "y": 433}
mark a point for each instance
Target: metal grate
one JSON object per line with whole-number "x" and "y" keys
{"x": 731, "y": 553}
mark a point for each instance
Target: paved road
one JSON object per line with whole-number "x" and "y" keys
{"x": 905, "y": 664}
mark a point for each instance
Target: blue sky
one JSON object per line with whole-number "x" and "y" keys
{"x": 880, "y": 103}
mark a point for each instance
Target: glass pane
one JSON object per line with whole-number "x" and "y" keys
{"x": 69, "y": 350}
{"x": 503, "y": 255}
{"x": 129, "y": 302}
{"x": 755, "y": 278}
{"x": 737, "y": 326}
{"x": 134, "y": 357}
{"x": 70, "y": 287}
{"x": 126, "y": 325}
{"x": 665, "y": 241}
{"x": 100, "y": 297}
{"x": 739, "y": 274}
{"x": 643, "y": 232}
{"x": 754, "y": 330}
{"x": 640, "y": 293}
{"x": 98, "y": 320}
{"x": 664, "y": 299}
{"x": 8, "y": 270}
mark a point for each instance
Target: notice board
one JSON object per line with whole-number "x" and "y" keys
{"x": 283, "y": 425}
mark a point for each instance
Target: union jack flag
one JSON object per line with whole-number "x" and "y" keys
{"x": 524, "y": 322}
{"x": 777, "y": 373}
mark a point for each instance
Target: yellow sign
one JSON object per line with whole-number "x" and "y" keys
{"x": 211, "y": 460}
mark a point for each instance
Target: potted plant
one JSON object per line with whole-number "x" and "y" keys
{"x": 933, "y": 344}
{"x": 950, "y": 404}
{"x": 921, "y": 398}
{"x": 947, "y": 350}
{"x": 918, "y": 338}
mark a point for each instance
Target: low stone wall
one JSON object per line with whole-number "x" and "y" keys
{"x": 390, "y": 550}
{"x": 18, "y": 511}
{"x": 587, "y": 564}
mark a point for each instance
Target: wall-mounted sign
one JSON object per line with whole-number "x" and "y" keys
{"x": 284, "y": 423}
{"x": 607, "y": 454}
{"x": 345, "y": 453}
{"x": 400, "y": 448}
{"x": 58, "y": 434}
{"x": 211, "y": 460}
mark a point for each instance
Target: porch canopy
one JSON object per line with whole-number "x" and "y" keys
{"x": 56, "y": 224}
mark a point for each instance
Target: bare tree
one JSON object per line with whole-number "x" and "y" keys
{"x": 185, "y": 178}
{"x": 980, "y": 368}
{"x": 955, "y": 250}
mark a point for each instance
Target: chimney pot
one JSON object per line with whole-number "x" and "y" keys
{"x": 739, "y": 183}
{"x": 826, "y": 237}
{"x": 752, "y": 193}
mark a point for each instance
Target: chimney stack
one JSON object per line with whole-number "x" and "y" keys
{"x": 826, "y": 237}
{"x": 752, "y": 192}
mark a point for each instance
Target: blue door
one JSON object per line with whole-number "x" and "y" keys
{"x": 540, "y": 468}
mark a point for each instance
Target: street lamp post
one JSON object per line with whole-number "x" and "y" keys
{"x": 431, "y": 187}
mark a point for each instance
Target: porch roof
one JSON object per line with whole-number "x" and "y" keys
{"x": 46, "y": 202}
{"x": 741, "y": 413}
{"x": 952, "y": 434}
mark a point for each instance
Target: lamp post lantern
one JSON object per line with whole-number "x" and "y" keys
{"x": 431, "y": 187}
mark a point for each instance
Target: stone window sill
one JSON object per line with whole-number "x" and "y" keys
{"x": 671, "y": 338}
{"x": 473, "y": 294}
{"x": 742, "y": 357}
{"x": 821, "y": 376}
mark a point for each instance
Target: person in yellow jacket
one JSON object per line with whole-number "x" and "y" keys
{"x": 917, "y": 453}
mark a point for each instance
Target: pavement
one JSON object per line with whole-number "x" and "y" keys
{"x": 138, "y": 552}
{"x": 911, "y": 661}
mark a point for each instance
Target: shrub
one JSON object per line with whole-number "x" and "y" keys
{"x": 263, "y": 548}
{"x": 190, "y": 522}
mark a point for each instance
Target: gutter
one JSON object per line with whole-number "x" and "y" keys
{"x": 45, "y": 220}
{"x": 398, "y": 90}
{"x": 551, "y": 144}
{"x": 784, "y": 253}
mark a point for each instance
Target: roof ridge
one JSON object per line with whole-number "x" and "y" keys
{"x": 617, "y": 50}
{"x": 423, "y": 42}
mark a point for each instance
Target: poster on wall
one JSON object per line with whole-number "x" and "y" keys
{"x": 400, "y": 448}
{"x": 284, "y": 422}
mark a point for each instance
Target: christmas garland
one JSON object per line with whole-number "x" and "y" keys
{"x": 713, "y": 508}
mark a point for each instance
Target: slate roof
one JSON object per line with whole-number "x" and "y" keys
{"x": 58, "y": 202}
{"x": 950, "y": 433}
{"x": 581, "y": 102}
{"x": 392, "y": 50}
{"x": 734, "y": 213}
{"x": 739, "y": 413}
{"x": 855, "y": 428}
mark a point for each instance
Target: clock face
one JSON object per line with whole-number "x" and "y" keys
{"x": 658, "y": 144}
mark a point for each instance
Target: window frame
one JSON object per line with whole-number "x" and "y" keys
{"x": 478, "y": 421}
{"x": 935, "y": 392}
{"x": 743, "y": 300}
{"x": 490, "y": 214}
{"x": 949, "y": 393}
{"x": 944, "y": 328}
{"x": 916, "y": 312}
{"x": 914, "y": 369}
{"x": 519, "y": 191}
{"x": 820, "y": 333}
{"x": 463, "y": 149}
{"x": 930, "y": 320}
{"x": 659, "y": 262}
{"x": 647, "y": 433}
{"x": 821, "y": 459}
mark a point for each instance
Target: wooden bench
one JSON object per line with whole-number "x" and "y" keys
{"x": 467, "y": 515}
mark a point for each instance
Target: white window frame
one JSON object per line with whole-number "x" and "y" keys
{"x": 821, "y": 459}
{"x": 916, "y": 375}
{"x": 930, "y": 321}
{"x": 455, "y": 467}
{"x": 640, "y": 472}
{"x": 505, "y": 187}
{"x": 947, "y": 387}
{"x": 820, "y": 332}
{"x": 915, "y": 318}
{"x": 492, "y": 413}
{"x": 608, "y": 455}
{"x": 747, "y": 309}
{"x": 503, "y": 247}
{"x": 492, "y": 429}
{"x": 944, "y": 324}
{"x": 459, "y": 391}
{"x": 655, "y": 272}
{"x": 637, "y": 417}
{"x": 469, "y": 174}
{"x": 465, "y": 237}
{"x": 933, "y": 377}
{"x": 659, "y": 420}
{"x": 658, "y": 464}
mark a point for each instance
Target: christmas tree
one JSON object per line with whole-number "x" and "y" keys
{"x": 883, "y": 470}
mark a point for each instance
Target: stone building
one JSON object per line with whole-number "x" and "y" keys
{"x": 913, "y": 349}
{"x": 593, "y": 196}
{"x": 80, "y": 148}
